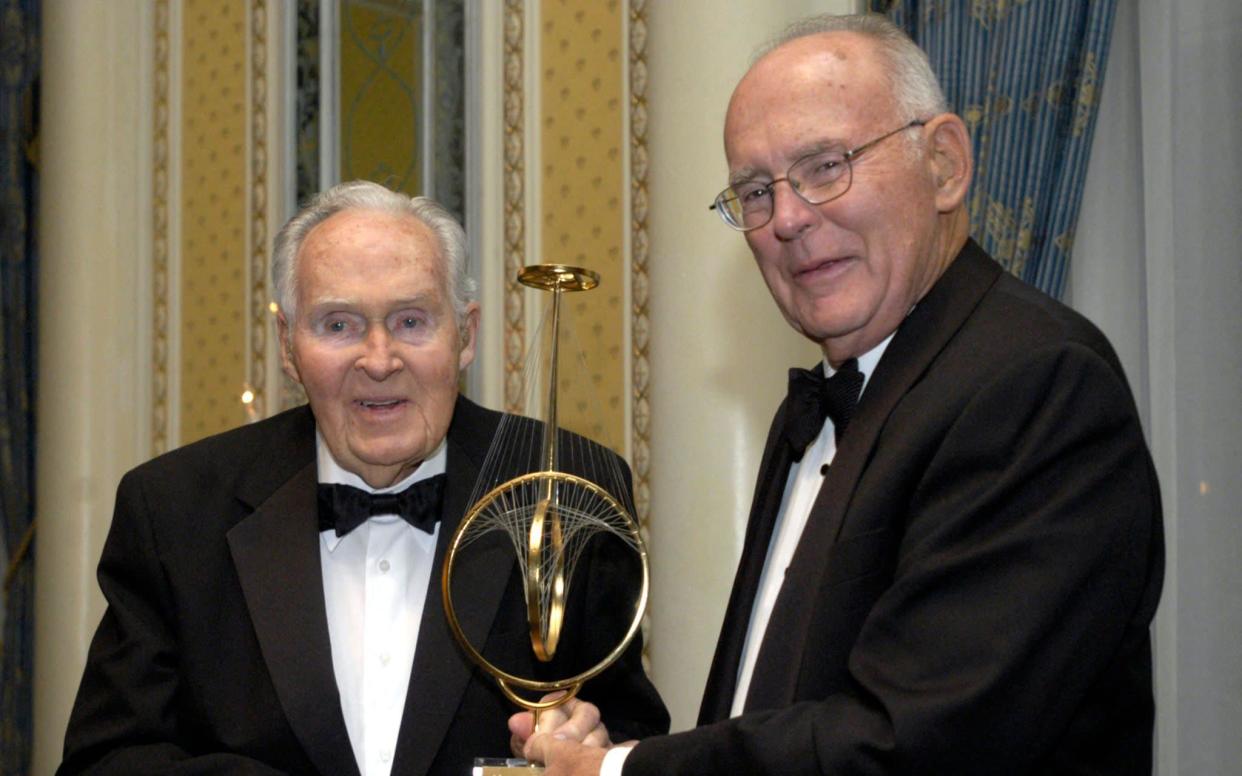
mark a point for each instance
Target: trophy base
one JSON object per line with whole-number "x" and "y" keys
{"x": 492, "y": 766}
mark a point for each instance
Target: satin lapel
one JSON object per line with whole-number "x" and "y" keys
{"x": 276, "y": 553}
{"x": 769, "y": 488}
{"x": 441, "y": 669}
{"x": 922, "y": 336}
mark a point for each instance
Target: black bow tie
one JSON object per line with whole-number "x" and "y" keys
{"x": 812, "y": 397}
{"x": 343, "y": 507}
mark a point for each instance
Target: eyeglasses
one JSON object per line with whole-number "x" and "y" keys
{"x": 816, "y": 178}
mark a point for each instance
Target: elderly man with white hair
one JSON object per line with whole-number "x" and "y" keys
{"x": 274, "y": 602}
{"x": 954, "y": 552}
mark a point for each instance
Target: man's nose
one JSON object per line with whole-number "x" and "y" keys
{"x": 791, "y": 214}
{"x": 378, "y": 359}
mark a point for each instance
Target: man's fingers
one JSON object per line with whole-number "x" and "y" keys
{"x": 551, "y": 720}
{"x": 582, "y": 721}
{"x": 598, "y": 737}
{"x": 522, "y": 725}
{"x": 517, "y": 745}
{"x": 574, "y": 720}
{"x": 536, "y": 749}
{"x": 563, "y": 757}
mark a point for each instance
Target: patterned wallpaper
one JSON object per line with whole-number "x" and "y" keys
{"x": 214, "y": 133}
{"x": 582, "y": 116}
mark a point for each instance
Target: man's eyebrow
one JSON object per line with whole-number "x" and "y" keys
{"x": 748, "y": 174}
{"x": 744, "y": 175}
{"x": 329, "y": 301}
{"x": 412, "y": 301}
{"x": 349, "y": 304}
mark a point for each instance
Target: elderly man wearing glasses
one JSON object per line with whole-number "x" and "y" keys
{"x": 955, "y": 548}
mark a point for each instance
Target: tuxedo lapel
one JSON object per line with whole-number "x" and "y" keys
{"x": 441, "y": 669}
{"x": 276, "y": 553}
{"x": 924, "y": 333}
{"x": 722, "y": 678}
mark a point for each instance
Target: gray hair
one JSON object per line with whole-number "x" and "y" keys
{"x": 915, "y": 89}
{"x": 365, "y": 195}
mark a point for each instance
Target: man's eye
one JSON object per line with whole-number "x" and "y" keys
{"x": 752, "y": 195}
{"x": 411, "y": 324}
{"x": 823, "y": 169}
{"x": 336, "y": 327}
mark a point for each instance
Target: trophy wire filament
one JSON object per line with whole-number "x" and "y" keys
{"x": 518, "y": 509}
{"x": 550, "y": 493}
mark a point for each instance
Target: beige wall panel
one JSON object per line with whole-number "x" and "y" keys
{"x": 719, "y": 348}
{"x": 214, "y": 250}
{"x": 487, "y": 52}
{"x": 94, "y": 323}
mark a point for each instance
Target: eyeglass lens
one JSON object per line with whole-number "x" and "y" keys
{"x": 816, "y": 179}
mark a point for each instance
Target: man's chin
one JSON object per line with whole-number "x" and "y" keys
{"x": 390, "y": 458}
{"x": 406, "y": 456}
{"x": 826, "y": 331}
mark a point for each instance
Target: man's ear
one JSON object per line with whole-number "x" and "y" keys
{"x": 285, "y": 335}
{"x": 951, "y": 159}
{"x": 469, "y": 336}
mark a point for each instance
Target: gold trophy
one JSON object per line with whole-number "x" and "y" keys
{"x": 548, "y": 516}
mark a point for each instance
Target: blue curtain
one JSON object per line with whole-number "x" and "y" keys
{"x": 19, "y": 67}
{"x": 1026, "y": 77}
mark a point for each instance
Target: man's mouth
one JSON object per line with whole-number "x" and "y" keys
{"x": 380, "y": 404}
{"x": 826, "y": 268}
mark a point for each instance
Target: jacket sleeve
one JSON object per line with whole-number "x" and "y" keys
{"x": 1025, "y": 574}
{"x": 124, "y": 719}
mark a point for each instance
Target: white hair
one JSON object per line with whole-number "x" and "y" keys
{"x": 916, "y": 91}
{"x": 365, "y": 195}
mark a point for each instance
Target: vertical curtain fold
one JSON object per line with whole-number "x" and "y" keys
{"x": 1026, "y": 77}
{"x": 19, "y": 66}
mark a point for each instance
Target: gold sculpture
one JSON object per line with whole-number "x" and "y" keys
{"x": 548, "y": 515}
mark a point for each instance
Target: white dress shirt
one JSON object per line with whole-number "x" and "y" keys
{"x": 375, "y": 581}
{"x": 801, "y": 488}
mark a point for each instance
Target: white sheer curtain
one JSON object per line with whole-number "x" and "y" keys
{"x": 1158, "y": 265}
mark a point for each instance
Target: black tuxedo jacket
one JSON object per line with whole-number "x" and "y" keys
{"x": 973, "y": 590}
{"x": 213, "y": 655}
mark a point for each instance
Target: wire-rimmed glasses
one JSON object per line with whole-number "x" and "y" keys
{"x": 817, "y": 178}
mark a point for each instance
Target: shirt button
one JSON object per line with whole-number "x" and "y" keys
{"x": 384, "y": 658}
{"x": 385, "y": 756}
{"x": 383, "y": 566}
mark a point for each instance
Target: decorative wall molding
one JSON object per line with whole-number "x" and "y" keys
{"x": 160, "y": 244}
{"x": 640, "y": 324}
{"x": 515, "y": 209}
{"x": 260, "y": 315}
